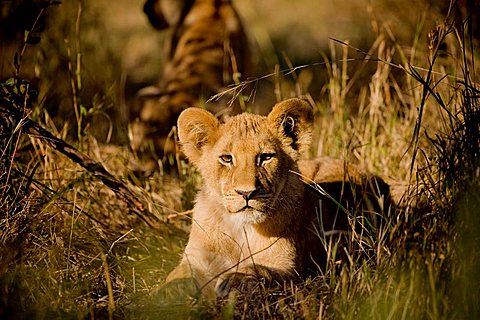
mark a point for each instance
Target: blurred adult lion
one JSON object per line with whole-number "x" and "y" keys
{"x": 263, "y": 212}
{"x": 206, "y": 52}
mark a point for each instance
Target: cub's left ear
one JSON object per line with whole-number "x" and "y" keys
{"x": 293, "y": 120}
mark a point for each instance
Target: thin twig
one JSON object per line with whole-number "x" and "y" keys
{"x": 179, "y": 214}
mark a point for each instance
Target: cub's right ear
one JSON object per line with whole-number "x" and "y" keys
{"x": 196, "y": 129}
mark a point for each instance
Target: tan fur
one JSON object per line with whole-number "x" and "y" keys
{"x": 206, "y": 50}
{"x": 282, "y": 233}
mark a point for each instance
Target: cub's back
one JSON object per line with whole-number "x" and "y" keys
{"x": 340, "y": 199}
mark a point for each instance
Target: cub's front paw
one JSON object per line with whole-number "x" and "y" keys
{"x": 177, "y": 290}
{"x": 240, "y": 282}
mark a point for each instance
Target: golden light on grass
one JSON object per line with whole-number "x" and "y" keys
{"x": 406, "y": 110}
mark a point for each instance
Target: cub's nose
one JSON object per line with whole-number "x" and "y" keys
{"x": 247, "y": 194}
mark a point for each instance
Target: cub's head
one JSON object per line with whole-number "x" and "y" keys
{"x": 245, "y": 162}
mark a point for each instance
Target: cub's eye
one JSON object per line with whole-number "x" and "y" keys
{"x": 265, "y": 158}
{"x": 226, "y": 159}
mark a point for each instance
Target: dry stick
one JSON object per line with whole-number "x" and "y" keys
{"x": 33, "y": 128}
{"x": 53, "y": 193}
{"x": 108, "y": 280}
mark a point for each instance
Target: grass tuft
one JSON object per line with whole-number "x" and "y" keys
{"x": 72, "y": 244}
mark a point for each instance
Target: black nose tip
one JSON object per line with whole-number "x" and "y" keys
{"x": 247, "y": 195}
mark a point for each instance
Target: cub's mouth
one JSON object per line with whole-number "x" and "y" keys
{"x": 248, "y": 214}
{"x": 245, "y": 206}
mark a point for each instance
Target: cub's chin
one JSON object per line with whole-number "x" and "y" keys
{"x": 247, "y": 215}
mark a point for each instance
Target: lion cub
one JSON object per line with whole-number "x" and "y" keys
{"x": 262, "y": 212}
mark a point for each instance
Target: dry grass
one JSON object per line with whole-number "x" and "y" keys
{"x": 71, "y": 247}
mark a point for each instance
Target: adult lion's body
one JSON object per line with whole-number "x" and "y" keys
{"x": 259, "y": 214}
{"x": 207, "y": 50}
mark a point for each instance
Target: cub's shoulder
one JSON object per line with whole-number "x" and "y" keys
{"x": 325, "y": 169}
